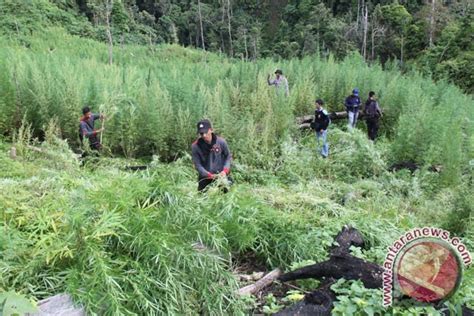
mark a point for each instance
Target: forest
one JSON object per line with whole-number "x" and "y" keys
{"x": 434, "y": 37}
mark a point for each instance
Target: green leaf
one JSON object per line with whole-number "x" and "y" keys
{"x": 16, "y": 304}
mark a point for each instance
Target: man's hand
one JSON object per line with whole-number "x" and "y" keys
{"x": 321, "y": 131}
{"x": 100, "y": 130}
{"x": 222, "y": 174}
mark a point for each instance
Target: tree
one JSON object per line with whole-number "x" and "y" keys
{"x": 102, "y": 11}
{"x": 200, "y": 25}
{"x": 397, "y": 19}
{"x": 377, "y": 29}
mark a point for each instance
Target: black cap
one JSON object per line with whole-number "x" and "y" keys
{"x": 320, "y": 102}
{"x": 278, "y": 71}
{"x": 85, "y": 110}
{"x": 203, "y": 126}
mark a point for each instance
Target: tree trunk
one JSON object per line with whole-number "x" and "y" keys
{"x": 255, "y": 48}
{"x": 245, "y": 45}
{"x": 372, "y": 57}
{"x": 401, "y": 50}
{"x": 432, "y": 14}
{"x": 358, "y": 13}
{"x": 364, "y": 41}
{"x": 260, "y": 284}
{"x": 108, "y": 11}
{"x": 231, "y": 48}
{"x": 222, "y": 27}
{"x": 200, "y": 25}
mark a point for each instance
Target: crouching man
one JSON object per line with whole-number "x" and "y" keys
{"x": 211, "y": 156}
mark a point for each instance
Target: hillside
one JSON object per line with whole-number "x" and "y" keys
{"x": 123, "y": 242}
{"x": 433, "y": 37}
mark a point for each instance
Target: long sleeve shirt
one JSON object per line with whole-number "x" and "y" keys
{"x": 352, "y": 103}
{"x": 87, "y": 126}
{"x": 372, "y": 109}
{"x": 280, "y": 83}
{"x": 321, "y": 120}
{"x": 210, "y": 159}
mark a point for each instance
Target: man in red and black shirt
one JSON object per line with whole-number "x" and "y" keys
{"x": 86, "y": 128}
{"x": 211, "y": 155}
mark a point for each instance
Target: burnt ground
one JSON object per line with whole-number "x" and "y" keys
{"x": 249, "y": 263}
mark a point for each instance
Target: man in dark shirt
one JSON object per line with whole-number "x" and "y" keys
{"x": 320, "y": 124}
{"x": 86, "y": 128}
{"x": 211, "y": 155}
{"x": 352, "y": 104}
{"x": 372, "y": 113}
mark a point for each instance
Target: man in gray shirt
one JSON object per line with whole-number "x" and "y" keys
{"x": 211, "y": 155}
{"x": 280, "y": 82}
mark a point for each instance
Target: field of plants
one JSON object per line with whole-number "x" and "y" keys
{"x": 123, "y": 242}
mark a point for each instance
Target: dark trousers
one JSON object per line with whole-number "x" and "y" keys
{"x": 372, "y": 127}
{"x": 95, "y": 149}
{"x": 203, "y": 183}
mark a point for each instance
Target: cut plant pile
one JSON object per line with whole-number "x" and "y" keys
{"x": 122, "y": 242}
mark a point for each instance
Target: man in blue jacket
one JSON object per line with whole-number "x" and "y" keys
{"x": 320, "y": 125}
{"x": 86, "y": 128}
{"x": 211, "y": 155}
{"x": 352, "y": 104}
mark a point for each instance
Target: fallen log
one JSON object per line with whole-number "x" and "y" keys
{"x": 37, "y": 149}
{"x": 260, "y": 284}
{"x": 413, "y": 166}
{"x": 251, "y": 277}
{"x": 135, "y": 168}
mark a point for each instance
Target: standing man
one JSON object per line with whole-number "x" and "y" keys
{"x": 211, "y": 155}
{"x": 372, "y": 113}
{"x": 86, "y": 128}
{"x": 280, "y": 82}
{"x": 320, "y": 124}
{"x": 352, "y": 108}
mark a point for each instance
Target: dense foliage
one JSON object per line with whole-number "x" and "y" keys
{"x": 434, "y": 36}
{"x": 146, "y": 242}
{"x": 125, "y": 242}
{"x": 152, "y": 100}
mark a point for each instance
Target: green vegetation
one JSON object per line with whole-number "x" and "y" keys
{"x": 435, "y": 37}
{"x": 122, "y": 242}
{"x": 152, "y": 96}
{"x": 125, "y": 242}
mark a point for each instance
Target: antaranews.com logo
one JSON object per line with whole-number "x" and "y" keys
{"x": 425, "y": 264}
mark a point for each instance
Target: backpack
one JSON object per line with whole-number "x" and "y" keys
{"x": 371, "y": 109}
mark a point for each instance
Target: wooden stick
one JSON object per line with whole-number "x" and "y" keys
{"x": 102, "y": 133}
{"x": 34, "y": 148}
{"x": 260, "y": 284}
